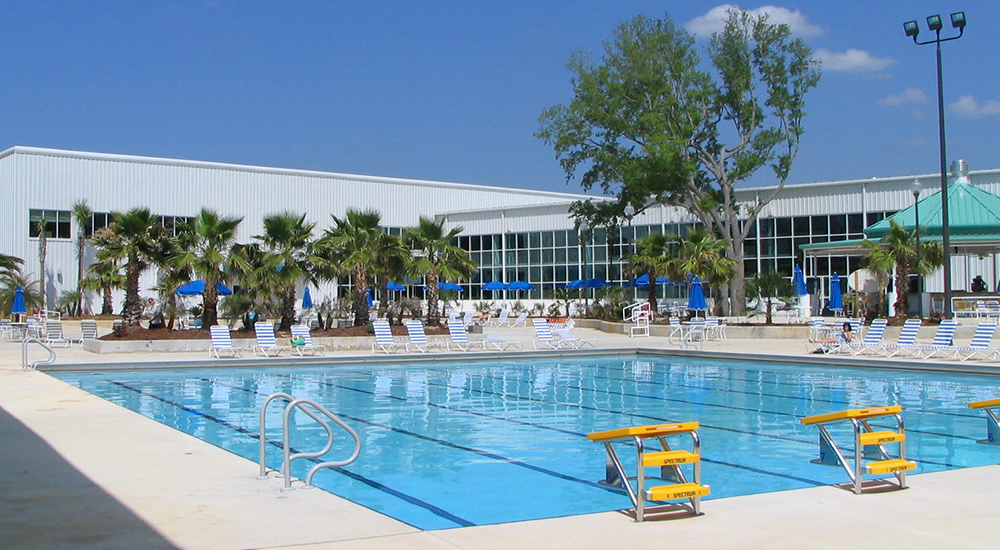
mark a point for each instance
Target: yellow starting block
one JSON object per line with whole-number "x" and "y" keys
{"x": 992, "y": 421}
{"x": 870, "y": 454}
{"x": 668, "y": 460}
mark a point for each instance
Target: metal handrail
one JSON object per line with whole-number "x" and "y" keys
{"x": 285, "y": 470}
{"x": 24, "y": 354}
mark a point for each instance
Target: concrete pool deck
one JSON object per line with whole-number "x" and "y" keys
{"x": 81, "y": 472}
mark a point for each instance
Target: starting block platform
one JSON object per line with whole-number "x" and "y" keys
{"x": 669, "y": 460}
{"x": 992, "y": 420}
{"x": 871, "y": 457}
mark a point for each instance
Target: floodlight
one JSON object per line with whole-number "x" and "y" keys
{"x": 916, "y": 187}
{"x": 934, "y": 22}
{"x": 911, "y": 28}
{"x": 958, "y": 20}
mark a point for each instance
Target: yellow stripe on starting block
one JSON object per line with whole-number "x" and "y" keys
{"x": 669, "y": 458}
{"x": 655, "y": 430}
{"x": 890, "y": 466}
{"x": 984, "y": 404}
{"x": 881, "y": 438}
{"x": 852, "y": 413}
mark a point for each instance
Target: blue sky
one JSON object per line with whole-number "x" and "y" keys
{"x": 452, "y": 90}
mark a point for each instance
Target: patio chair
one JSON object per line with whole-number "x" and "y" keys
{"x": 418, "y": 338}
{"x": 302, "y": 331}
{"x": 544, "y": 336}
{"x": 907, "y": 339}
{"x": 383, "y": 338}
{"x": 222, "y": 342}
{"x": 7, "y": 330}
{"x": 33, "y": 329}
{"x": 266, "y": 342}
{"x": 500, "y": 321}
{"x": 981, "y": 345}
{"x": 522, "y": 320}
{"x": 88, "y": 330}
{"x": 460, "y": 337}
{"x": 468, "y": 318}
{"x": 573, "y": 340}
{"x": 54, "y": 334}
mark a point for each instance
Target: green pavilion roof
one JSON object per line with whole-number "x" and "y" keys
{"x": 971, "y": 211}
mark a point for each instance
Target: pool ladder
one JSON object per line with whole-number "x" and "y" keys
{"x": 667, "y": 459}
{"x": 992, "y": 420}
{"x": 870, "y": 454}
{"x": 303, "y": 405}
{"x": 24, "y": 354}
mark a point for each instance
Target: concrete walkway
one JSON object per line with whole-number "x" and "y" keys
{"x": 80, "y": 472}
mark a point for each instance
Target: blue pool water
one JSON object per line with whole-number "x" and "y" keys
{"x": 469, "y": 443}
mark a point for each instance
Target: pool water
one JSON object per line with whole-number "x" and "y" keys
{"x": 470, "y": 443}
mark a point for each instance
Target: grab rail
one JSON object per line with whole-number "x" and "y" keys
{"x": 24, "y": 354}
{"x": 286, "y": 447}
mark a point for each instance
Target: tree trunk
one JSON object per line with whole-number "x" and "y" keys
{"x": 80, "y": 249}
{"x": 107, "y": 308}
{"x": 383, "y": 303}
{"x": 651, "y": 295}
{"x": 287, "y": 309}
{"x": 209, "y": 305}
{"x": 42, "y": 252}
{"x": 133, "y": 309}
{"x": 433, "y": 317}
{"x": 902, "y": 290}
{"x": 360, "y": 296}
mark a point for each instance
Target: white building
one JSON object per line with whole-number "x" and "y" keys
{"x": 512, "y": 234}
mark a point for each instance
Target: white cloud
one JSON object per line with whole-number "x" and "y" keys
{"x": 852, "y": 61}
{"x": 714, "y": 20}
{"x": 968, "y": 107}
{"x": 912, "y": 96}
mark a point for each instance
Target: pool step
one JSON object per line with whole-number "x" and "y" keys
{"x": 669, "y": 458}
{"x": 890, "y": 466}
{"x": 674, "y": 492}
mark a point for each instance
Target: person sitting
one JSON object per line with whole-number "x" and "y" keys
{"x": 978, "y": 284}
{"x": 846, "y": 336}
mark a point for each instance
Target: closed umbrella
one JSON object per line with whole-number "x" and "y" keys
{"x": 198, "y": 287}
{"x": 799, "y": 282}
{"x": 696, "y": 302}
{"x": 307, "y": 300}
{"x": 18, "y": 306}
{"x": 836, "y": 294}
{"x": 368, "y": 297}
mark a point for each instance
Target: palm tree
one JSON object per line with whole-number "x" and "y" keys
{"x": 105, "y": 276}
{"x": 351, "y": 245}
{"x": 767, "y": 286}
{"x": 135, "y": 239}
{"x": 83, "y": 216}
{"x": 43, "y": 245}
{"x": 10, "y": 263}
{"x": 651, "y": 259}
{"x": 289, "y": 259}
{"x": 897, "y": 250}
{"x": 10, "y": 279}
{"x": 703, "y": 254}
{"x": 437, "y": 259}
{"x": 205, "y": 244}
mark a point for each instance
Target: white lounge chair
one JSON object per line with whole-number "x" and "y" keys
{"x": 544, "y": 336}
{"x": 906, "y": 341}
{"x": 54, "y": 334}
{"x": 943, "y": 341}
{"x": 871, "y": 341}
{"x": 222, "y": 342}
{"x": 573, "y": 340}
{"x": 981, "y": 346}
{"x": 302, "y": 331}
{"x": 460, "y": 337}
{"x": 266, "y": 342}
{"x": 383, "y": 338}
{"x": 500, "y": 321}
{"x": 522, "y": 320}
{"x": 88, "y": 330}
{"x": 418, "y": 338}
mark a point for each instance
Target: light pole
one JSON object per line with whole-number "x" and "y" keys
{"x": 912, "y": 29}
{"x": 916, "y": 187}
{"x": 585, "y": 233}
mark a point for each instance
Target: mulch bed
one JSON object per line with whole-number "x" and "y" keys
{"x": 166, "y": 334}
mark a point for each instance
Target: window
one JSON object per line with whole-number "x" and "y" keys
{"x": 99, "y": 220}
{"x": 56, "y": 223}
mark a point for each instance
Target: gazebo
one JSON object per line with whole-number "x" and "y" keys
{"x": 973, "y": 222}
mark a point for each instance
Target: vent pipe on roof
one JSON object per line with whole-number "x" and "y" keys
{"x": 960, "y": 171}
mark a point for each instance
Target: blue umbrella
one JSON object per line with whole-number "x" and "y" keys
{"x": 799, "y": 282}
{"x": 836, "y": 294}
{"x": 368, "y": 297}
{"x": 394, "y": 286}
{"x": 449, "y": 286}
{"x": 643, "y": 281}
{"x": 307, "y": 299}
{"x": 198, "y": 287}
{"x": 588, "y": 283}
{"x": 696, "y": 302}
{"x": 495, "y": 285}
{"x": 520, "y": 285}
{"x": 18, "y": 305}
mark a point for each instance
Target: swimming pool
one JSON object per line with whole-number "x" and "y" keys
{"x": 469, "y": 443}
